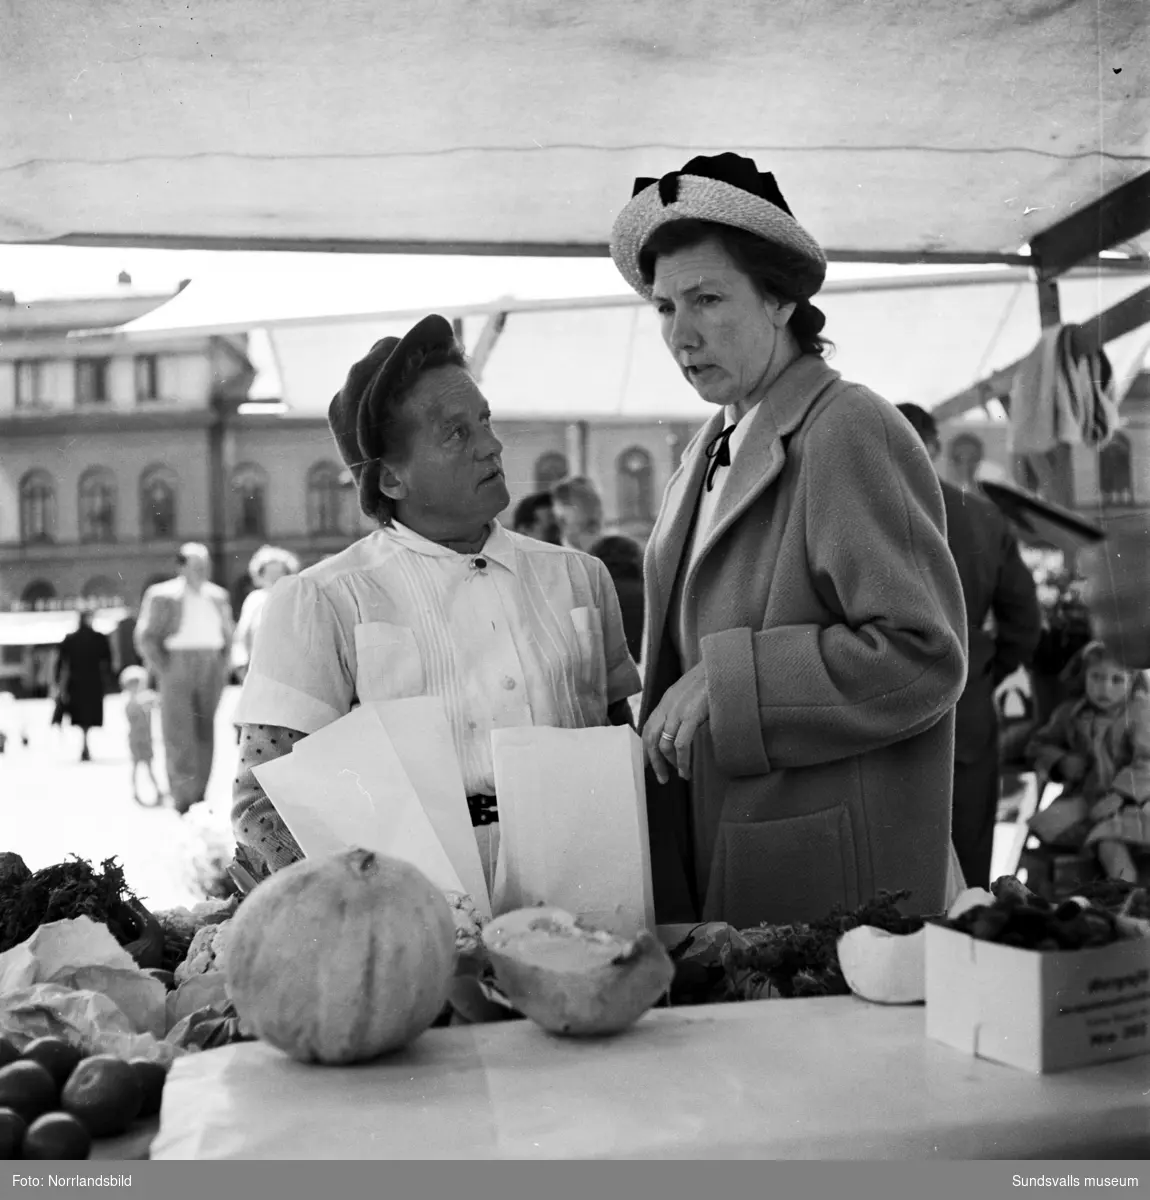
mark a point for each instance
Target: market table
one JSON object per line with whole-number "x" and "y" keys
{"x": 832, "y": 1078}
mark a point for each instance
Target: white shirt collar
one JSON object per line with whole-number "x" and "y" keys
{"x": 742, "y": 425}
{"x": 498, "y": 547}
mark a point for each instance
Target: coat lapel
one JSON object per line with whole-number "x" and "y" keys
{"x": 762, "y": 455}
{"x": 669, "y": 537}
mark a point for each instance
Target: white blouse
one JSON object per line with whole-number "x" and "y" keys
{"x": 523, "y": 633}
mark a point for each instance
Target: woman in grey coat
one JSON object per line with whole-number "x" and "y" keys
{"x": 805, "y": 641}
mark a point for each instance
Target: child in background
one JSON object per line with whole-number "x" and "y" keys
{"x": 1098, "y": 746}
{"x": 139, "y": 705}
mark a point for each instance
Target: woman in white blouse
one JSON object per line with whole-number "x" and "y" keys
{"x": 440, "y": 600}
{"x": 268, "y": 565}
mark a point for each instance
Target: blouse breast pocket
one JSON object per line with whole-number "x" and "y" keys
{"x": 590, "y": 658}
{"x": 389, "y": 665}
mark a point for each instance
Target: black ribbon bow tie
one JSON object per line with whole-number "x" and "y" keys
{"x": 719, "y": 452}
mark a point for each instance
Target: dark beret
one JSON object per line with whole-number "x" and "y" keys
{"x": 358, "y": 413}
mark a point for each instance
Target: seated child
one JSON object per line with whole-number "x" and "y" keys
{"x": 139, "y": 705}
{"x": 1098, "y": 746}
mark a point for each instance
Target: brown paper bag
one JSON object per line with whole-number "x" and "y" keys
{"x": 573, "y": 824}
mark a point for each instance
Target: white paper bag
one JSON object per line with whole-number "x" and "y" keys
{"x": 573, "y": 824}
{"x": 345, "y": 786}
{"x": 419, "y": 731}
{"x": 323, "y": 819}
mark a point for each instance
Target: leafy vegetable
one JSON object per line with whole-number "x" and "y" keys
{"x": 63, "y": 892}
{"x": 717, "y": 963}
{"x": 209, "y": 1028}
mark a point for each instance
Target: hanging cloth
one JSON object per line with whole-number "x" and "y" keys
{"x": 1062, "y": 396}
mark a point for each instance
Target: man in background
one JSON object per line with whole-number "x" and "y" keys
{"x": 1003, "y": 626}
{"x": 535, "y": 518}
{"x": 184, "y": 635}
{"x": 579, "y": 511}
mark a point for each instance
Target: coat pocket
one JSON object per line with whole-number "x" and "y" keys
{"x": 389, "y": 665}
{"x": 796, "y": 869}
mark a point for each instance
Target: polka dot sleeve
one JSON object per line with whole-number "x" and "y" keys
{"x": 256, "y": 824}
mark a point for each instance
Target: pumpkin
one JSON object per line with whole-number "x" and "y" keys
{"x": 343, "y": 959}
{"x": 574, "y": 980}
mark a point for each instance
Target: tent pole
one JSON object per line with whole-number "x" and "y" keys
{"x": 492, "y": 328}
{"x": 1049, "y": 308}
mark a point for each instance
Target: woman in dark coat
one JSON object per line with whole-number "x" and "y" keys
{"x": 805, "y": 639}
{"x": 83, "y": 668}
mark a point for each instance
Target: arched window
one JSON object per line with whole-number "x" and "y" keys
{"x": 37, "y": 508}
{"x": 325, "y": 499}
{"x": 102, "y": 592}
{"x": 249, "y": 490}
{"x": 549, "y": 469}
{"x": 634, "y": 482}
{"x": 38, "y": 594}
{"x": 1114, "y": 475}
{"x": 964, "y": 455}
{"x": 157, "y": 504}
{"x": 97, "y": 496}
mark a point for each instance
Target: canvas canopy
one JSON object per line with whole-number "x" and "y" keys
{"x": 911, "y": 337}
{"x": 936, "y": 129}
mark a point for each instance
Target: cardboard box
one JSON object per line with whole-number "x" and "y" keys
{"x": 1038, "y": 1011}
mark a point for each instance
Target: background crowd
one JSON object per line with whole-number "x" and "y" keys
{"x": 1029, "y": 629}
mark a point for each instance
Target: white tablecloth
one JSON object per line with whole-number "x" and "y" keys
{"x": 789, "y": 1079}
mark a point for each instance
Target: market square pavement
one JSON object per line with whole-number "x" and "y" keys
{"x": 52, "y": 805}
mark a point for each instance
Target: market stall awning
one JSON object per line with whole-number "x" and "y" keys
{"x": 50, "y": 628}
{"x": 918, "y": 345}
{"x": 913, "y": 337}
{"x": 896, "y": 130}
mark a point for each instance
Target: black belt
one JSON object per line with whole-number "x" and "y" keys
{"x": 483, "y": 810}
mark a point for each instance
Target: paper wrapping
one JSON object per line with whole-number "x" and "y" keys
{"x": 421, "y": 736}
{"x": 784, "y": 1079}
{"x": 347, "y": 785}
{"x": 72, "y": 979}
{"x": 573, "y": 824}
{"x": 572, "y": 809}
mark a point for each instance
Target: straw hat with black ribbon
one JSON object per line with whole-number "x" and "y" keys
{"x": 727, "y": 189}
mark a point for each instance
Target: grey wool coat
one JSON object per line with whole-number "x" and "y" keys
{"x": 827, "y": 609}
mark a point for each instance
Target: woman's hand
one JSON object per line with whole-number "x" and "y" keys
{"x": 672, "y": 726}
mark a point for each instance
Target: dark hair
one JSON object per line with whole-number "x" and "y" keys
{"x": 771, "y": 268}
{"x": 528, "y": 509}
{"x": 923, "y": 423}
{"x": 622, "y": 556}
{"x": 579, "y": 492}
{"x": 393, "y": 426}
{"x": 1099, "y": 652}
